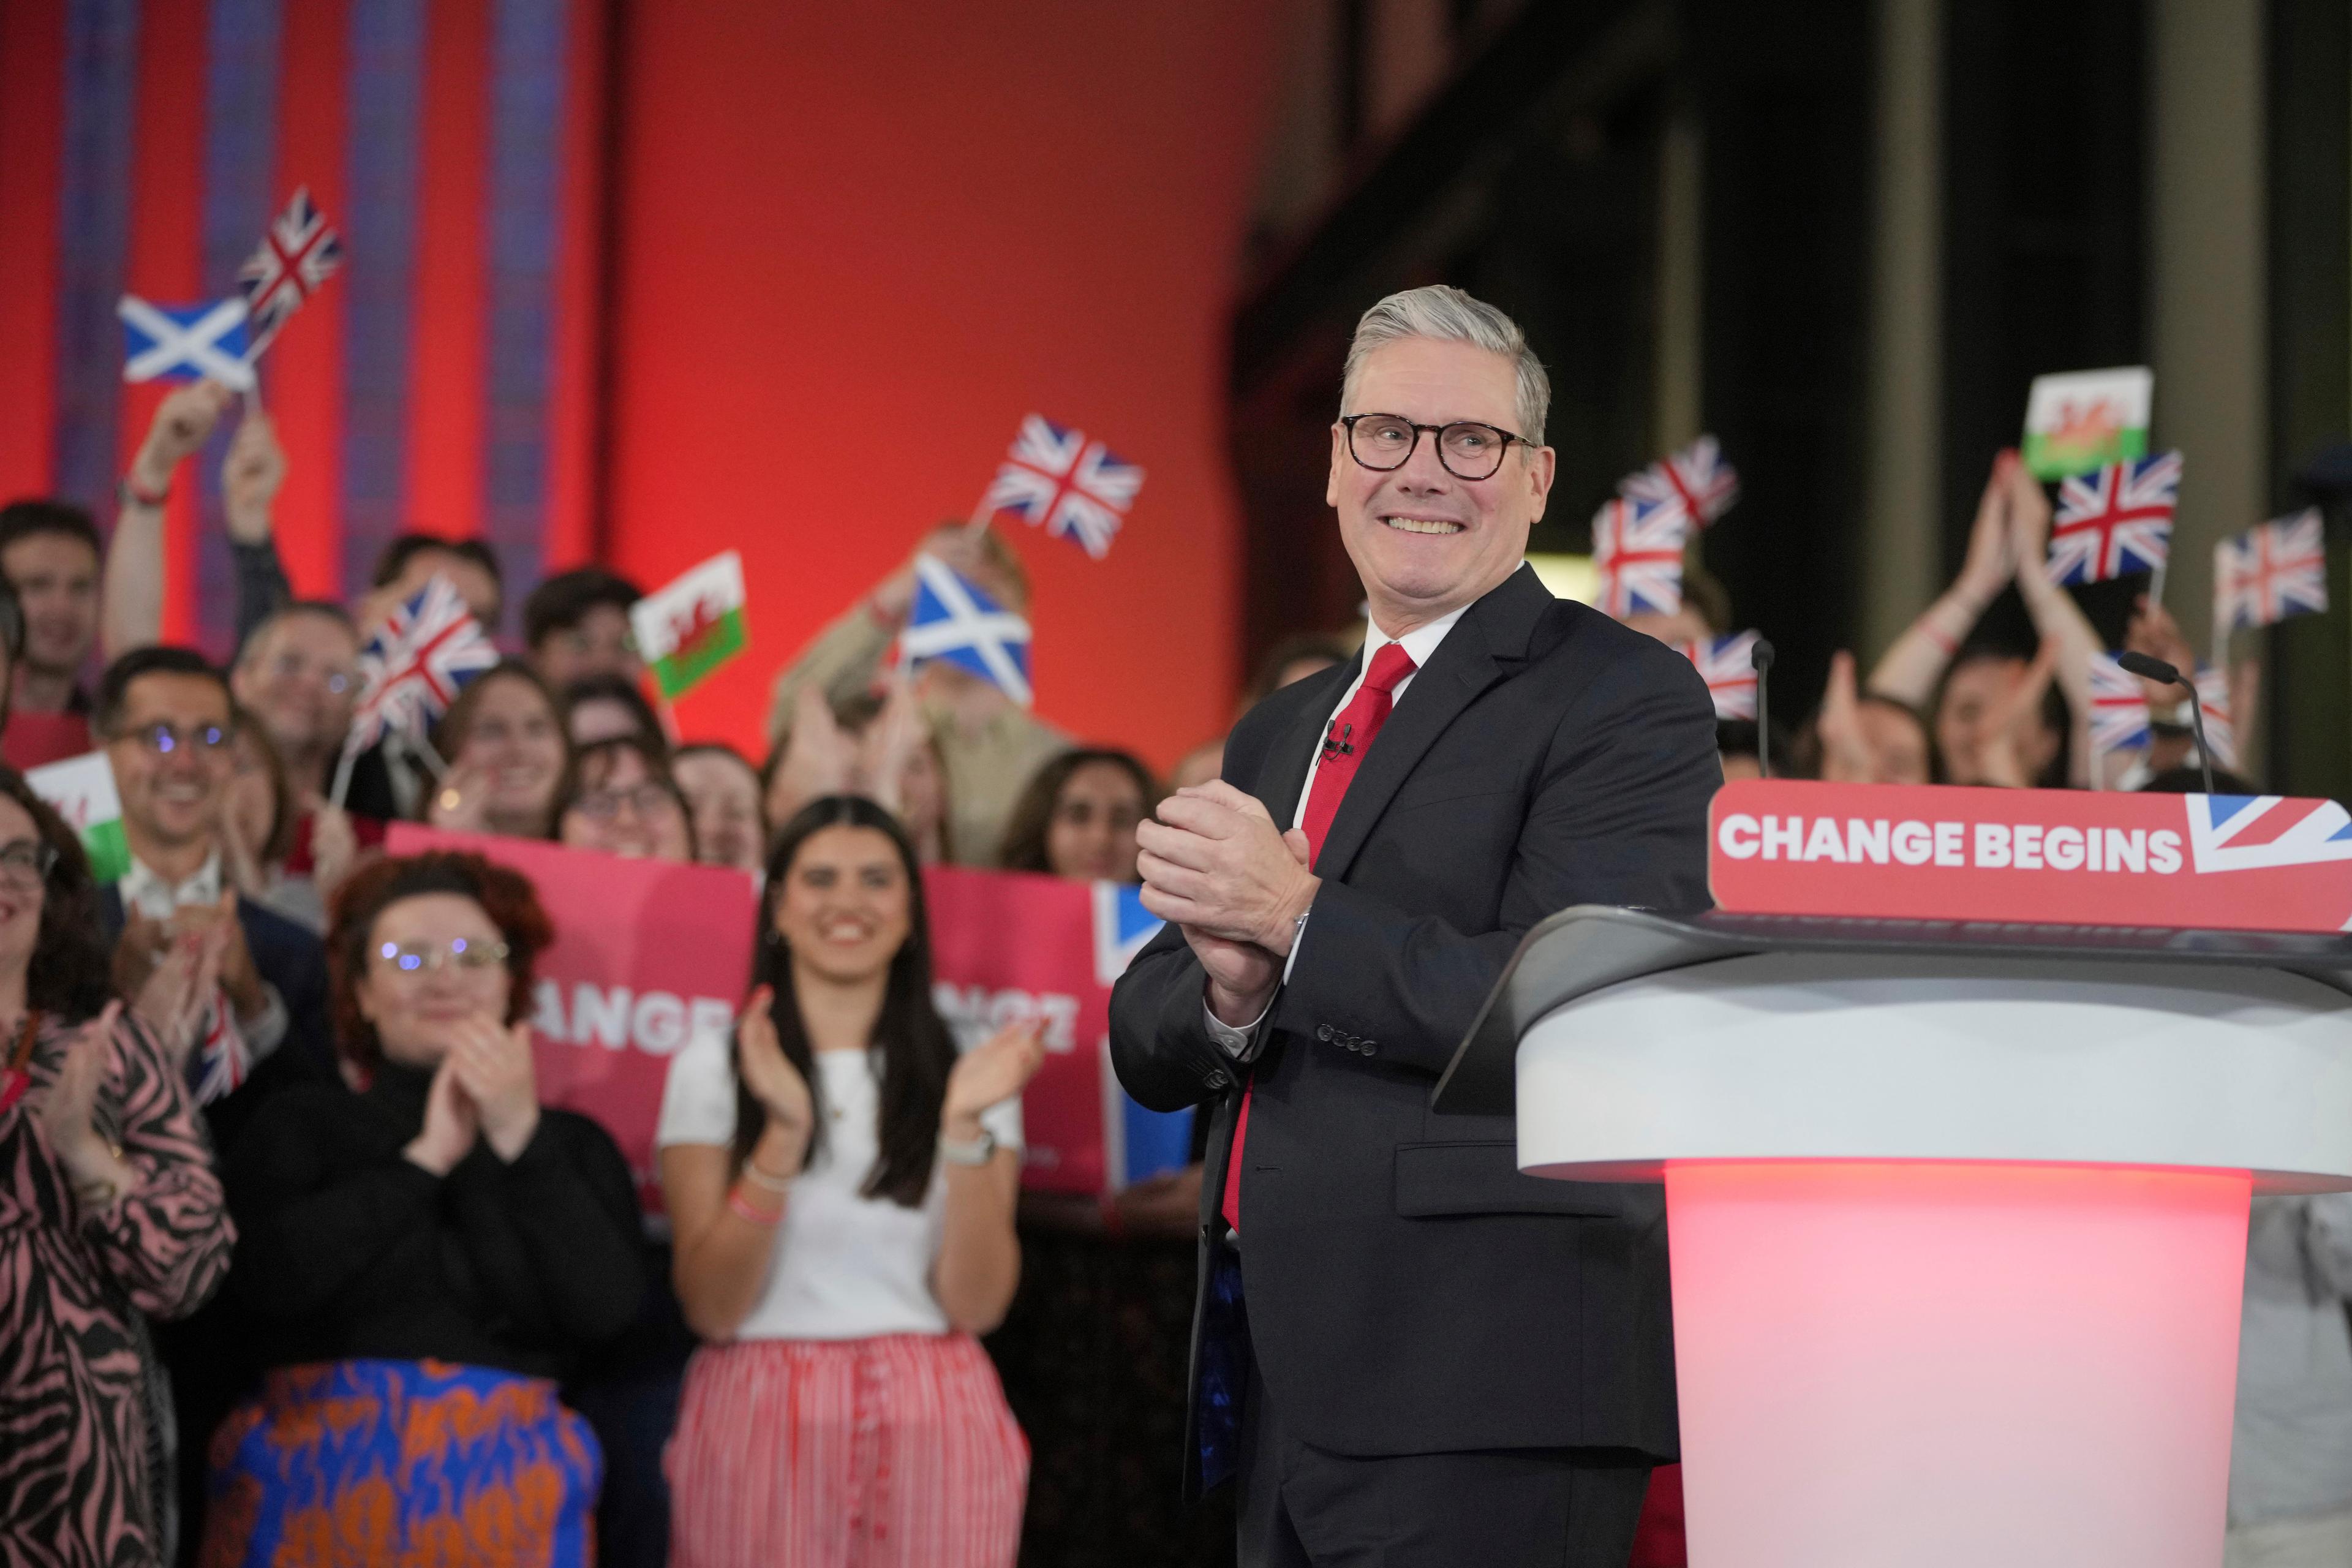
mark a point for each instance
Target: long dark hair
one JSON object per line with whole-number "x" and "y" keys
{"x": 918, "y": 1051}
{"x": 1031, "y": 820}
{"x": 69, "y": 976}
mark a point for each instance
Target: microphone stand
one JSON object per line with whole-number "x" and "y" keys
{"x": 1761, "y": 658}
{"x": 2148, "y": 669}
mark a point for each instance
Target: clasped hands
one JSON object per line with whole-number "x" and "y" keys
{"x": 1214, "y": 863}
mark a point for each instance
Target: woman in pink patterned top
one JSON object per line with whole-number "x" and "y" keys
{"x": 109, "y": 1211}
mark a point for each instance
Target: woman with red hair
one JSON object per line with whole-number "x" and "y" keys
{"x": 433, "y": 1253}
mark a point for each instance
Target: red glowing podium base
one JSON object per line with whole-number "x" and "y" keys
{"x": 1957, "y": 1217}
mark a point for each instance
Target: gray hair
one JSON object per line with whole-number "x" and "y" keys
{"x": 1440, "y": 311}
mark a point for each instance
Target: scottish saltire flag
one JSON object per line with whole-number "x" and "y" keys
{"x": 416, "y": 663}
{"x": 953, "y": 620}
{"x": 1728, "y": 665}
{"x": 184, "y": 342}
{"x": 2213, "y": 706}
{"x": 2272, "y": 571}
{"x": 1073, "y": 487}
{"x": 2120, "y": 717}
{"x": 1697, "y": 478}
{"x": 1136, "y": 1143}
{"x": 1637, "y": 556}
{"x": 2253, "y": 832}
{"x": 2114, "y": 519}
{"x": 298, "y": 253}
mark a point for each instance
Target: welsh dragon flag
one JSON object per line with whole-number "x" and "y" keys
{"x": 82, "y": 790}
{"x": 686, "y": 630}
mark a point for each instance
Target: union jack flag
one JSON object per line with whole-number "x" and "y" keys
{"x": 1074, "y": 487}
{"x": 417, "y": 662}
{"x": 1697, "y": 478}
{"x": 2118, "y": 706}
{"x": 222, "y": 1059}
{"x": 2114, "y": 519}
{"x": 2213, "y": 706}
{"x": 1637, "y": 552}
{"x": 1728, "y": 664}
{"x": 297, "y": 254}
{"x": 2255, "y": 832}
{"x": 2272, "y": 571}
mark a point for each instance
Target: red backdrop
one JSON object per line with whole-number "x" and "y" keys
{"x": 781, "y": 277}
{"x": 856, "y": 243}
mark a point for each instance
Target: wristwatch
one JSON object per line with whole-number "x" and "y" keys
{"x": 978, "y": 1151}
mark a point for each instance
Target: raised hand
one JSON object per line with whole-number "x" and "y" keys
{"x": 2153, "y": 631}
{"x": 1846, "y": 756}
{"x": 251, "y": 475}
{"x": 177, "y": 990}
{"x": 883, "y": 748}
{"x": 334, "y": 845}
{"x": 770, "y": 1077}
{"x": 236, "y": 966}
{"x": 460, "y": 803}
{"x": 1991, "y": 560}
{"x": 493, "y": 1066}
{"x": 1214, "y": 859}
{"x": 819, "y": 760}
{"x": 451, "y": 1123}
{"x": 2006, "y": 725}
{"x": 994, "y": 1070}
{"x": 183, "y": 423}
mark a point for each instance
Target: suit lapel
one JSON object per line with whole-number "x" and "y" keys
{"x": 1483, "y": 646}
{"x": 1285, "y": 778}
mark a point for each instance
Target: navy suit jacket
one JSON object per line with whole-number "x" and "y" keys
{"x": 1408, "y": 1290}
{"x": 291, "y": 958}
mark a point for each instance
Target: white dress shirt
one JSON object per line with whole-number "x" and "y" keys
{"x": 147, "y": 891}
{"x": 1419, "y": 644}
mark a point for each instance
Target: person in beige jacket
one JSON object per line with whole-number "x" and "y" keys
{"x": 989, "y": 744}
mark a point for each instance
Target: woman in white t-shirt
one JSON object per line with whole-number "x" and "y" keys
{"x": 841, "y": 1186}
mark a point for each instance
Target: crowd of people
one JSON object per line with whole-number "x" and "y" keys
{"x": 306, "y": 1272}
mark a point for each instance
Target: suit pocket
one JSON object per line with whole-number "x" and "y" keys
{"x": 1437, "y": 1179}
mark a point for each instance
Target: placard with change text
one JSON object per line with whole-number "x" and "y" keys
{"x": 2061, "y": 857}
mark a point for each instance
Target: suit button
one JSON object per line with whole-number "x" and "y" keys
{"x": 1221, "y": 1078}
{"x": 1371, "y": 1047}
{"x": 1323, "y": 1031}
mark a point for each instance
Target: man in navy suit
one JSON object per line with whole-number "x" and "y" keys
{"x": 1405, "y": 1350}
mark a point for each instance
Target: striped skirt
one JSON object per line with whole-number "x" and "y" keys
{"x": 367, "y": 1462}
{"x": 891, "y": 1452}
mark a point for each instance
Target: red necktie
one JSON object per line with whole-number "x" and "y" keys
{"x": 1344, "y": 744}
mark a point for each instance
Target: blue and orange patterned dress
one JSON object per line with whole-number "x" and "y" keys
{"x": 418, "y": 1325}
{"x": 83, "y": 1477}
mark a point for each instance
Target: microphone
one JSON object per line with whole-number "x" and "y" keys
{"x": 1760, "y": 655}
{"x": 2155, "y": 669}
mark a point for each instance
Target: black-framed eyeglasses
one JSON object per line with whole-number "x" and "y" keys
{"x": 205, "y": 740}
{"x": 1468, "y": 449}
{"x": 604, "y": 804}
{"x": 26, "y": 862}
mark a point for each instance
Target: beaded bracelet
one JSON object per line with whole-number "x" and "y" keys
{"x": 744, "y": 1211}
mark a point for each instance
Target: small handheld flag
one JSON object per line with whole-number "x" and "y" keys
{"x": 688, "y": 629}
{"x": 2114, "y": 519}
{"x": 1728, "y": 665}
{"x": 1073, "y": 487}
{"x": 184, "y": 342}
{"x": 298, "y": 254}
{"x": 2086, "y": 419}
{"x": 953, "y": 620}
{"x": 81, "y": 790}
{"x": 1697, "y": 478}
{"x": 2272, "y": 571}
{"x": 1637, "y": 556}
{"x": 2118, "y": 706}
{"x": 416, "y": 663}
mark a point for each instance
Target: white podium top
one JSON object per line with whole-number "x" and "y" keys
{"x": 1826, "y": 1056}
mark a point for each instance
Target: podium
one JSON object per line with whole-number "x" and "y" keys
{"x": 1956, "y": 1211}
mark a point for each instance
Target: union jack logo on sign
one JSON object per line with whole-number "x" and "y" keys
{"x": 2118, "y": 706}
{"x": 2115, "y": 519}
{"x": 1697, "y": 478}
{"x": 1637, "y": 552}
{"x": 1071, "y": 486}
{"x": 1728, "y": 666}
{"x": 417, "y": 662}
{"x": 297, "y": 255}
{"x": 2252, "y": 832}
{"x": 2270, "y": 572}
